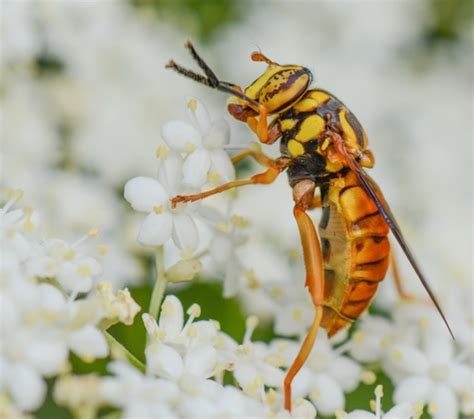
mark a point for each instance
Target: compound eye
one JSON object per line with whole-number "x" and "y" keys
{"x": 284, "y": 88}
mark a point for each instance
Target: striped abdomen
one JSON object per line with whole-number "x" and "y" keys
{"x": 356, "y": 252}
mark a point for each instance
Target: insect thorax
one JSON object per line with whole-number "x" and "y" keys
{"x": 306, "y": 129}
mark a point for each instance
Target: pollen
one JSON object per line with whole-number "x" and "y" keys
{"x": 424, "y": 323}
{"x": 315, "y": 395}
{"x": 253, "y": 282}
{"x": 368, "y": 377}
{"x": 161, "y": 152}
{"x": 276, "y": 292}
{"x": 186, "y": 254}
{"x": 70, "y": 254}
{"x": 239, "y": 221}
{"x": 251, "y": 322}
{"x": 192, "y": 104}
{"x": 373, "y": 405}
{"x": 432, "y": 408}
{"x": 213, "y": 177}
{"x": 189, "y": 147}
{"x": 223, "y": 227}
{"x": 297, "y": 315}
{"x": 158, "y": 209}
{"x": 397, "y": 356}
{"x": 359, "y": 336}
{"x": 93, "y": 232}
{"x": 167, "y": 308}
{"x": 84, "y": 271}
{"x": 102, "y": 249}
{"x": 379, "y": 391}
{"x": 194, "y": 310}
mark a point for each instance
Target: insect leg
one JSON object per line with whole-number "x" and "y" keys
{"x": 264, "y": 178}
{"x": 398, "y": 279}
{"x": 258, "y": 155}
{"x": 303, "y": 193}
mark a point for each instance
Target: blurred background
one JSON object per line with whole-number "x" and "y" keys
{"x": 84, "y": 94}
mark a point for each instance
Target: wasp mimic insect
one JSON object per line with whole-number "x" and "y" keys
{"x": 323, "y": 146}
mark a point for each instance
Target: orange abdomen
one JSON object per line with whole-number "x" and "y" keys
{"x": 356, "y": 252}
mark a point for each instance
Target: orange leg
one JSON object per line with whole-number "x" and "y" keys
{"x": 398, "y": 279}
{"x": 303, "y": 194}
{"x": 261, "y": 178}
{"x": 256, "y": 154}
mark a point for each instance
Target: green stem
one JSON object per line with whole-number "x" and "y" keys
{"x": 119, "y": 351}
{"x": 160, "y": 284}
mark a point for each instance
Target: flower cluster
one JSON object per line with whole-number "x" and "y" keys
{"x": 49, "y": 305}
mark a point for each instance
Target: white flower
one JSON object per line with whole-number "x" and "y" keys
{"x": 203, "y": 142}
{"x": 432, "y": 376}
{"x": 137, "y": 394}
{"x": 400, "y": 411}
{"x": 75, "y": 271}
{"x": 162, "y": 222}
{"x": 177, "y": 351}
{"x": 326, "y": 375}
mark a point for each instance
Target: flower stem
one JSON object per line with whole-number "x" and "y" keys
{"x": 119, "y": 351}
{"x": 160, "y": 283}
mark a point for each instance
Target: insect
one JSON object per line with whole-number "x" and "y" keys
{"x": 323, "y": 147}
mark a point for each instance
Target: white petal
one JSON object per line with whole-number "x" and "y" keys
{"x": 170, "y": 172}
{"x": 346, "y": 372}
{"x": 412, "y": 390}
{"x": 245, "y": 373}
{"x": 47, "y": 356}
{"x": 409, "y": 359}
{"x": 303, "y": 409}
{"x": 180, "y": 136}
{"x": 171, "y": 317}
{"x": 198, "y": 114}
{"x": 217, "y": 135}
{"x": 185, "y": 233}
{"x": 196, "y": 167}
{"x": 27, "y": 387}
{"x": 442, "y": 403}
{"x": 155, "y": 229}
{"x": 200, "y": 361}
{"x": 164, "y": 361}
{"x": 327, "y": 395}
{"x": 88, "y": 342}
{"x": 272, "y": 376}
{"x": 401, "y": 411}
{"x": 222, "y": 164}
{"x": 144, "y": 193}
{"x": 361, "y": 414}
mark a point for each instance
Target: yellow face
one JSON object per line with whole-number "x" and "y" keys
{"x": 280, "y": 86}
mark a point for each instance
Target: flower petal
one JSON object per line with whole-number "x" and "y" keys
{"x": 198, "y": 114}
{"x": 144, "y": 193}
{"x": 171, "y": 318}
{"x": 170, "y": 172}
{"x": 155, "y": 229}
{"x": 346, "y": 372}
{"x": 442, "y": 402}
{"x": 400, "y": 411}
{"x": 201, "y": 361}
{"x": 412, "y": 390}
{"x": 185, "y": 233}
{"x": 26, "y": 387}
{"x": 196, "y": 167}
{"x": 217, "y": 135}
{"x": 164, "y": 361}
{"x": 88, "y": 343}
{"x": 222, "y": 165}
{"x": 180, "y": 136}
{"x": 327, "y": 394}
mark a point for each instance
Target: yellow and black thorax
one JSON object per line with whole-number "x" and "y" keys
{"x": 305, "y": 139}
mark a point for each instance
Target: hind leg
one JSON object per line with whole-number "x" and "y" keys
{"x": 303, "y": 194}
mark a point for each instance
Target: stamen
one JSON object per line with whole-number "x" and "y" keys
{"x": 378, "y": 400}
{"x": 161, "y": 152}
{"x": 91, "y": 233}
{"x": 251, "y": 323}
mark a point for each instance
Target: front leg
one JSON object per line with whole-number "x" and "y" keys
{"x": 264, "y": 178}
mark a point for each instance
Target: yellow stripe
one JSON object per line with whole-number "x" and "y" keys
{"x": 310, "y": 128}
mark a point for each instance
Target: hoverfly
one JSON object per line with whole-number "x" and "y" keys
{"x": 323, "y": 146}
